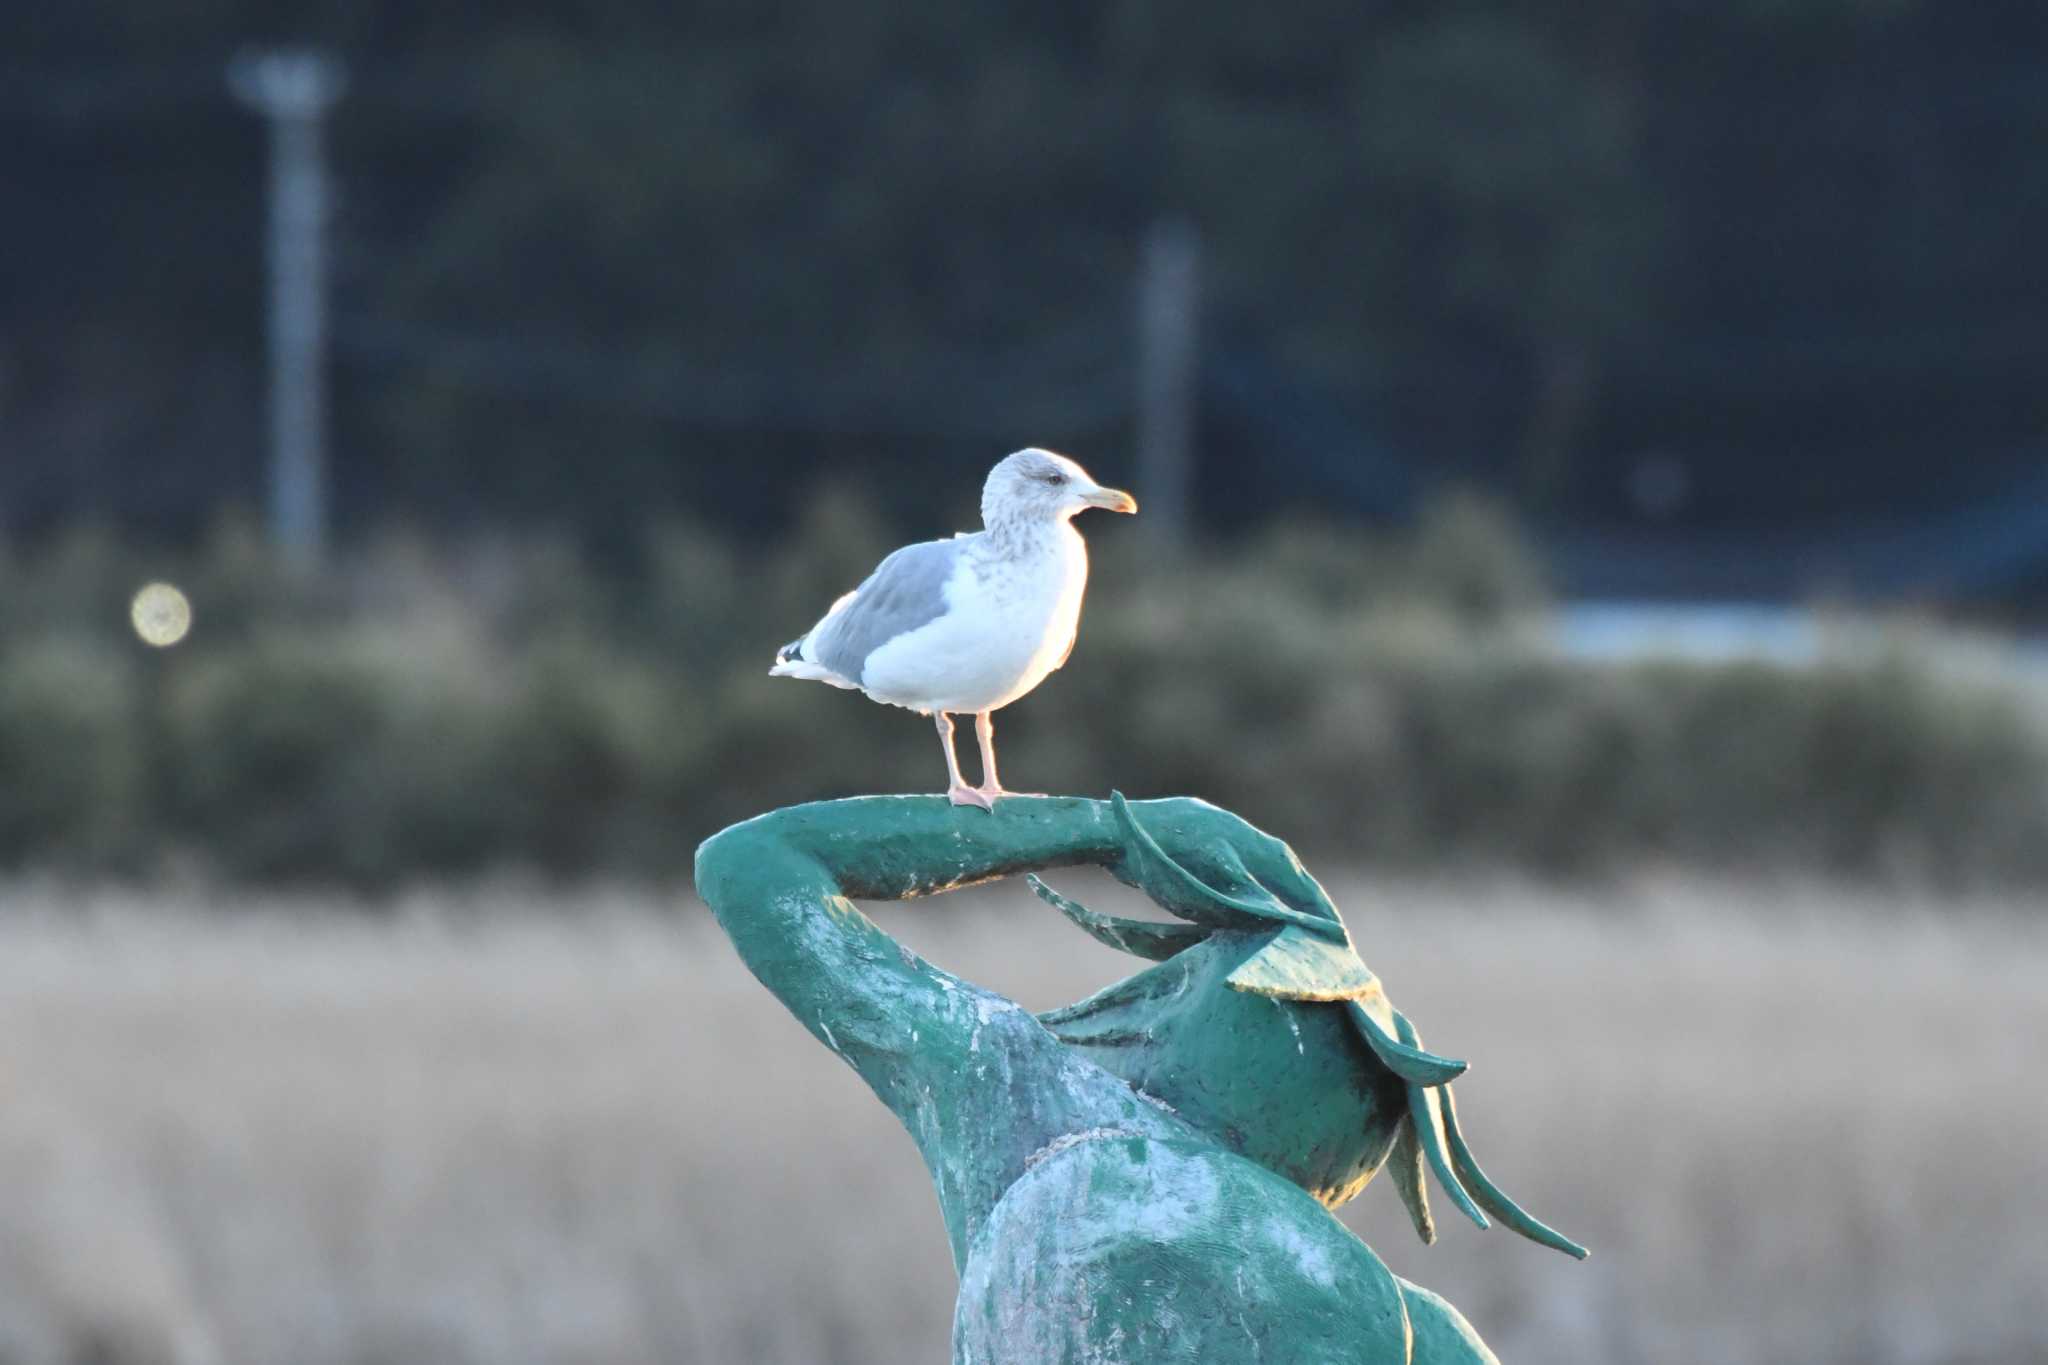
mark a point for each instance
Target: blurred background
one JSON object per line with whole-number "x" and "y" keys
{"x": 1594, "y": 506}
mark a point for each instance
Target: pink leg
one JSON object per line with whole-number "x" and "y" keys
{"x": 991, "y": 785}
{"x": 957, "y": 790}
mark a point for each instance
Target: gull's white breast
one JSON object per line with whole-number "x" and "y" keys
{"x": 1009, "y": 621}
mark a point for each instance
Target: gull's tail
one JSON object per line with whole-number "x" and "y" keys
{"x": 791, "y": 663}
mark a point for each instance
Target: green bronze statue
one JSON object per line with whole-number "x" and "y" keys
{"x": 1146, "y": 1175}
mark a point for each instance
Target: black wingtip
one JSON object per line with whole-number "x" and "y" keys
{"x": 793, "y": 652}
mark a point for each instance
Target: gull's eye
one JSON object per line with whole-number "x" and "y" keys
{"x": 1054, "y": 479}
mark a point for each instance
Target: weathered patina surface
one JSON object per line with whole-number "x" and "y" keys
{"x": 1145, "y": 1175}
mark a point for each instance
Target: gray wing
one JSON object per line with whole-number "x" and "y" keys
{"x": 906, "y": 590}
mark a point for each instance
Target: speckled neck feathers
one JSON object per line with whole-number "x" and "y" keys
{"x": 1017, "y": 534}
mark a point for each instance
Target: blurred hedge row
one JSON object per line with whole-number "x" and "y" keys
{"x": 430, "y": 711}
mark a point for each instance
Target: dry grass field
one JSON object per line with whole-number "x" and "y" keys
{"x": 501, "y": 1127}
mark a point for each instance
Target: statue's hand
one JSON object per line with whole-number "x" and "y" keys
{"x": 1212, "y": 868}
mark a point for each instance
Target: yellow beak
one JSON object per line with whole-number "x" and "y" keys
{"x": 1112, "y": 500}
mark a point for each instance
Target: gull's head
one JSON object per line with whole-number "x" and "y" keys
{"x": 1037, "y": 485}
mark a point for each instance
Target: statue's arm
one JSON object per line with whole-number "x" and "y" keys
{"x": 782, "y": 886}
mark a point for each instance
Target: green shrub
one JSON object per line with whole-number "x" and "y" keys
{"x": 73, "y": 760}
{"x": 366, "y": 757}
{"x": 1469, "y": 557}
{"x": 596, "y": 757}
{"x": 1409, "y": 733}
{"x": 435, "y": 710}
{"x": 310, "y": 756}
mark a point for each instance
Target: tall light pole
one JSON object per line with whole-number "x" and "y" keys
{"x": 1169, "y": 305}
{"x": 293, "y": 90}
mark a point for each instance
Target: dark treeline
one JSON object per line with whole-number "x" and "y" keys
{"x": 598, "y": 259}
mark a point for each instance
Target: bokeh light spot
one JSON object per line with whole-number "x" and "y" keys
{"x": 162, "y": 615}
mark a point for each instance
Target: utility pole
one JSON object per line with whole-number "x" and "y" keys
{"x": 293, "y": 90}
{"x": 1169, "y": 290}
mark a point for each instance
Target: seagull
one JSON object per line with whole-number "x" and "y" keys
{"x": 968, "y": 625}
